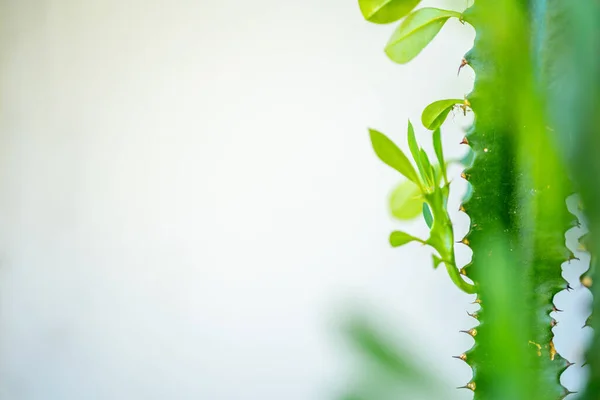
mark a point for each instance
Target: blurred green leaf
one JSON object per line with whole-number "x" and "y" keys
{"x": 435, "y": 114}
{"x": 405, "y": 201}
{"x": 386, "y": 11}
{"x": 415, "y": 32}
{"x": 398, "y": 238}
{"x": 427, "y": 215}
{"x": 390, "y": 154}
{"x": 387, "y": 369}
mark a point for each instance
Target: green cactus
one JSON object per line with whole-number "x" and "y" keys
{"x": 518, "y": 175}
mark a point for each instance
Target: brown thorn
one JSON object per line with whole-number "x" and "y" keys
{"x": 471, "y": 386}
{"x": 556, "y": 309}
{"x": 569, "y": 363}
{"x": 465, "y": 141}
{"x": 553, "y": 323}
{"x": 463, "y": 271}
{"x": 462, "y": 208}
{"x": 463, "y": 62}
{"x": 471, "y": 332}
{"x": 473, "y": 315}
{"x": 568, "y": 288}
{"x": 462, "y": 357}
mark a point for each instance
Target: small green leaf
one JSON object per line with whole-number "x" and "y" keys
{"x": 436, "y": 261}
{"x": 415, "y": 32}
{"x": 386, "y": 11}
{"x": 405, "y": 201}
{"x": 427, "y": 169}
{"x": 390, "y": 154}
{"x": 398, "y": 239}
{"x": 437, "y": 146}
{"x": 435, "y": 114}
{"x": 427, "y": 215}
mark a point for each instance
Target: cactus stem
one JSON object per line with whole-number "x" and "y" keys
{"x": 538, "y": 346}
{"x": 552, "y": 350}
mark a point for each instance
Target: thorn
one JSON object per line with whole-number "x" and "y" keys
{"x": 586, "y": 281}
{"x": 463, "y": 62}
{"x": 462, "y": 357}
{"x": 464, "y": 141}
{"x": 568, "y": 288}
{"x": 471, "y": 386}
{"x": 465, "y": 105}
{"x": 584, "y": 364}
{"x": 471, "y": 332}
{"x": 462, "y": 208}
{"x": 464, "y": 176}
{"x": 463, "y": 271}
{"x": 553, "y": 323}
{"x": 473, "y": 315}
{"x": 566, "y": 393}
{"x": 464, "y": 241}
{"x": 556, "y": 309}
{"x": 477, "y": 301}
{"x": 569, "y": 363}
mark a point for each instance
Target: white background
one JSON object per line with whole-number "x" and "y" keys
{"x": 190, "y": 204}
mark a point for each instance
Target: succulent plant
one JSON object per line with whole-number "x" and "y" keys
{"x": 526, "y": 159}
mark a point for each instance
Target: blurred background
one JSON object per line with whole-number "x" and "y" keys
{"x": 190, "y": 205}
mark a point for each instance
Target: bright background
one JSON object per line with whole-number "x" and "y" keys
{"x": 190, "y": 204}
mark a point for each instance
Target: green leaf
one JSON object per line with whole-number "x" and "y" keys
{"x": 436, "y": 261}
{"x": 427, "y": 169}
{"x": 415, "y": 32}
{"x": 398, "y": 239}
{"x": 390, "y": 154}
{"x": 405, "y": 201}
{"x": 427, "y": 215}
{"x": 386, "y": 11}
{"x": 435, "y": 114}
{"x": 437, "y": 146}
{"x": 414, "y": 148}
